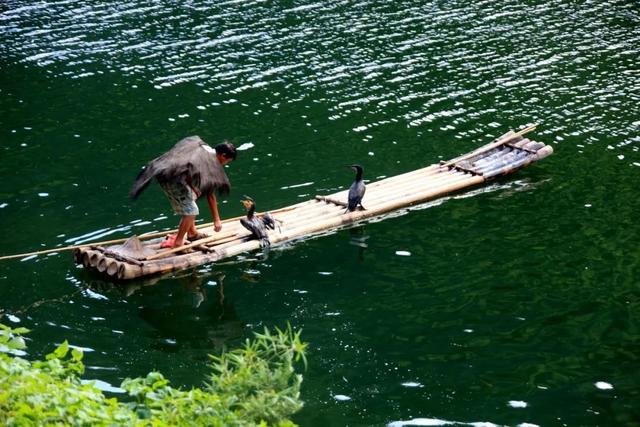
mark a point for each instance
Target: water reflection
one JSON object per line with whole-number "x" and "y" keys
{"x": 198, "y": 317}
{"x": 189, "y": 310}
{"x": 358, "y": 238}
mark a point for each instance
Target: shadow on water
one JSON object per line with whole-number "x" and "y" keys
{"x": 200, "y": 317}
{"x": 196, "y": 314}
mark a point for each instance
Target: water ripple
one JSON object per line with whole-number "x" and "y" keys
{"x": 405, "y": 81}
{"x": 438, "y": 64}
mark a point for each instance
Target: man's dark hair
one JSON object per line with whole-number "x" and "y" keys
{"x": 227, "y": 149}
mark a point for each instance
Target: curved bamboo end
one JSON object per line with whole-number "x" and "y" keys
{"x": 85, "y": 259}
{"x": 94, "y": 259}
{"x": 545, "y": 151}
{"x": 102, "y": 264}
{"x": 112, "y": 268}
{"x": 77, "y": 256}
{"x": 127, "y": 271}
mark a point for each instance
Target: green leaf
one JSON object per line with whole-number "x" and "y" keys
{"x": 253, "y": 385}
{"x": 76, "y": 354}
{"x": 18, "y": 343}
{"x": 59, "y": 352}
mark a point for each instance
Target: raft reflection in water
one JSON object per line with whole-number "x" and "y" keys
{"x": 198, "y": 317}
{"x": 189, "y": 311}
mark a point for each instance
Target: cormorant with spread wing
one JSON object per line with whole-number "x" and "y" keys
{"x": 357, "y": 189}
{"x": 190, "y": 170}
{"x": 257, "y": 225}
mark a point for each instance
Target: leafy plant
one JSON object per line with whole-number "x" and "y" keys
{"x": 254, "y": 385}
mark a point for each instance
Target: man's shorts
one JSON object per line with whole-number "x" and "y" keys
{"x": 181, "y": 197}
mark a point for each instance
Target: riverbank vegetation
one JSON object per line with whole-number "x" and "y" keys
{"x": 256, "y": 384}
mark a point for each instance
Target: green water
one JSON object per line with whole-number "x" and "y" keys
{"x": 514, "y": 304}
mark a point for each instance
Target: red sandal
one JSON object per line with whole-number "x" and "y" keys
{"x": 169, "y": 241}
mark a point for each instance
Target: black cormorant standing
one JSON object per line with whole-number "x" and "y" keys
{"x": 357, "y": 189}
{"x": 257, "y": 225}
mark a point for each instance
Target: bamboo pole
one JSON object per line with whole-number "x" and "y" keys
{"x": 380, "y": 209}
{"x": 384, "y": 198}
{"x": 326, "y": 212}
{"x": 490, "y": 157}
{"x": 395, "y": 180}
{"x": 85, "y": 259}
{"x": 507, "y": 158}
{"x": 500, "y": 161}
{"x": 373, "y": 198}
{"x": 534, "y": 152}
{"x": 403, "y": 176}
{"x": 318, "y": 209}
{"x": 323, "y": 210}
{"x": 336, "y": 221}
{"x": 399, "y": 191}
{"x": 408, "y": 181}
{"x": 521, "y": 162}
{"x": 185, "y": 246}
{"x": 312, "y": 216}
{"x": 505, "y": 168}
{"x": 124, "y": 239}
{"x": 332, "y": 212}
{"x": 301, "y": 211}
{"x": 501, "y": 140}
{"x": 524, "y": 145}
{"x": 395, "y": 192}
{"x": 127, "y": 271}
{"x": 328, "y": 199}
{"x": 375, "y": 205}
{"x": 212, "y": 241}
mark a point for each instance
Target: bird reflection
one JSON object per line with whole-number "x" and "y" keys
{"x": 357, "y": 237}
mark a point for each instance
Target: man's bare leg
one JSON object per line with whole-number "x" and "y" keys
{"x": 186, "y": 223}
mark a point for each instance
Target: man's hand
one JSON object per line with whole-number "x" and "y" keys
{"x": 213, "y": 206}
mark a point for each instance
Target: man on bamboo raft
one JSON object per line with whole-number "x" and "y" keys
{"x": 187, "y": 172}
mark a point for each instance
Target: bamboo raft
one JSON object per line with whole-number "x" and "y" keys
{"x": 137, "y": 258}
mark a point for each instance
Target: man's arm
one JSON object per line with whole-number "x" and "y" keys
{"x": 213, "y": 206}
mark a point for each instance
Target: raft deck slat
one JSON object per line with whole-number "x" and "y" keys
{"x": 322, "y": 213}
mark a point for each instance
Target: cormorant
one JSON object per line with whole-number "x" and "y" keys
{"x": 357, "y": 189}
{"x": 257, "y": 225}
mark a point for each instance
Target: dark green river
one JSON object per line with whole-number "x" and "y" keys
{"x": 516, "y": 303}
